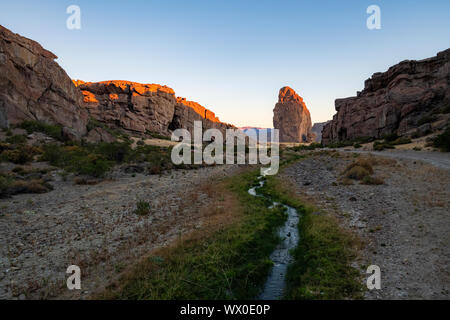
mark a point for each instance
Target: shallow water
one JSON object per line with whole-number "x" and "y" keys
{"x": 276, "y": 282}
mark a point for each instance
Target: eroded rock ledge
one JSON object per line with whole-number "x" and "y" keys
{"x": 34, "y": 87}
{"x": 144, "y": 107}
{"x": 410, "y": 98}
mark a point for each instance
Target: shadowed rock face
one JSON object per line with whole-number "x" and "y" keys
{"x": 292, "y": 117}
{"x": 140, "y": 107}
{"x": 317, "y": 130}
{"x": 396, "y": 101}
{"x": 34, "y": 87}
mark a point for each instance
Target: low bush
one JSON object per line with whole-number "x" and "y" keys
{"x": 401, "y": 140}
{"x": 21, "y": 155}
{"x": 5, "y": 183}
{"x": 54, "y": 131}
{"x": 442, "y": 141}
{"x": 142, "y": 208}
{"x": 380, "y": 146}
{"x": 356, "y": 173}
{"x": 364, "y": 163}
{"x": 16, "y": 139}
{"x": 371, "y": 180}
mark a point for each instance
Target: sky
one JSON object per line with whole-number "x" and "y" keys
{"x": 233, "y": 56}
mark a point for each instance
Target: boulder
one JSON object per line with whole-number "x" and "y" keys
{"x": 292, "y": 117}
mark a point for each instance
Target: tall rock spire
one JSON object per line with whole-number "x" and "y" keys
{"x": 291, "y": 117}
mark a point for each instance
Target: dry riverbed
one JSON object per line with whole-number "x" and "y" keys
{"x": 403, "y": 223}
{"x": 96, "y": 228}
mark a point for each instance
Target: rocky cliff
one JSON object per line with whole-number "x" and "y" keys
{"x": 292, "y": 117}
{"x": 411, "y": 98}
{"x": 317, "y": 130}
{"x": 144, "y": 107}
{"x": 34, "y": 87}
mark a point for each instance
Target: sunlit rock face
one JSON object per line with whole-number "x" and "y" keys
{"x": 144, "y": 107}
{"x": 410, "y": 98}
{"x": 34, "y": 87}
{"x": 292, "y": 117}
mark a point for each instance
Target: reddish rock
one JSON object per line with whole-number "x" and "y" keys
{"x": 292, "y": 117}
{"x": 34, "y": 87}
{"x": 140, "y": 107}
{"x": 396, "y": 101}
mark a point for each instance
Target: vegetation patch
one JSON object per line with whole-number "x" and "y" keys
{"x": 322, "y": 260}
{"x": 361, "y": 170}
{"x": 51, "y": 130}
{"x": 20, "y": 154}
{"x": 442, "y": 141}
{"x": 10, "y": 185}
{"x": 142, "y": 208}
{"x": 228, "y": 261}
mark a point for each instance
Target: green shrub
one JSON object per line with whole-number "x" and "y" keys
{"x": 16, "y": 139}
{"x": 92, "y": 165}
{"x": 357, "y": 146}
{"x": 115, "y": 151}
{"x": 379, "y": 146}
{"x": 390, "y": 137}
{"x": 4, "y": 146}
{"x": 20, "y": 155}
{"x": 442, "y": 141}
{"x": 142, "y": 208}
{"x": 401, "y": 140}
{"x": 54, "y": 131}
{"x": 78, "y": 159}
{"x": 5, "y": 183}
{"x": 371, "y": 180}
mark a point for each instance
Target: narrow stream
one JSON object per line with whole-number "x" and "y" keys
{"x": 275, "y": 283}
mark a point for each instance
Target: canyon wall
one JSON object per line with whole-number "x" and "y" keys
{"x": 34, "y": 87}
{"x": 140, "y": 107}
{"x": 292, "y": 117}
{"x": 411, "y": 98}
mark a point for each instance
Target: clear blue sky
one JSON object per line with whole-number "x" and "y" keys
{"x": 233, "y": 56}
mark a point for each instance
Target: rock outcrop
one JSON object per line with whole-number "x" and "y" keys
{"x": 412, "y": 97}
{"x": 34, "y": 87}
{"x": 317, "y": 130}
{"x": 144, "y": 107}
{"x": 292, "y": 117}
